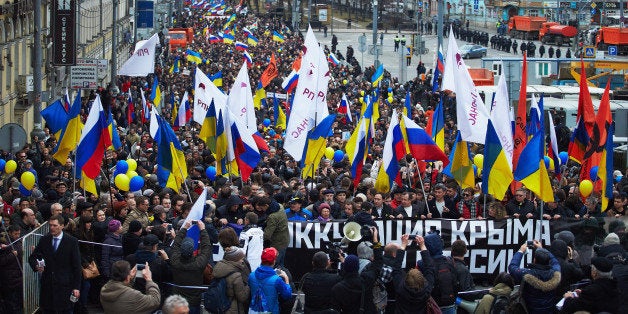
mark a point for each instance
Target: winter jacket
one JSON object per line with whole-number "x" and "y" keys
{"x": 600, "y": 296}
{"x": 540, "y": 282}
{"x": 111, "y": 254}
{"x": 316, "y": 286}
{"x": 464, "y": 276}
{"x": 10, "y": 267}
{"x": 189, "y": 272}
{"x": 348, "y": 292}
{"x": 484, "y": 307}
{"x": 130, "y": 243}
{"x": 238, "y": 289}
{"x": 410, "y": 300}
{"x": 116, "y": 297}
{"x": 276, "y": 230}
{"x": 274, "y": 287}
{"x": 138, "y": 215}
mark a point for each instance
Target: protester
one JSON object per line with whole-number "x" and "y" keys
{"x": 236, "y": 272}
{"x": 502, "y": 287}
{"x": 117, "y": 295}
{"x": 600, "y": 296}
{"x": 317, "y": 285}
{"x": 273, "y": 285}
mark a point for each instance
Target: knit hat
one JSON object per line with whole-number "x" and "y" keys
{"x": 323, "y": 205}
{"x": 559, "y": 249}
{"x": 233, "y": 254}
{"x": 365, "y": 250}
{"x": 187, "y": 247}
{"x": 150, "y": 240}
{"x": 351, "y": 264}
{"x": 114, "y": 225}
{"x": 566, "y": 236}
{"x": 361, "y": 197}
{"x": 611, "y": 238}
{"x": 602, "y": 264}
{"x": 135, "y": 226}
{"x": 148, "y": 192}
{"x": 541, "y": 257}
{"x": 617, "y": 226}
{"x": 269, "y": 255}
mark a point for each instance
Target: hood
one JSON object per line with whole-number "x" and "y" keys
{"x": 501, "y": 289}
{"x": 434, "y": 244}
{"x": 262, "y": 272}
{"x": 112, "y": 291}
{"x": 233, "y": 200}
{"x": 223, "y": 268}
{"x": 543, "y": 285}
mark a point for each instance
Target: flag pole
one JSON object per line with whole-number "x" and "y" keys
{"x": 185, "y": 184}
{"x": 427, "y": 206}
{"x": 484, "y": 207}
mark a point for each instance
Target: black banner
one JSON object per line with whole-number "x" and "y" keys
{"x": 491, "y": 243}
{"x": 64, "y": 45}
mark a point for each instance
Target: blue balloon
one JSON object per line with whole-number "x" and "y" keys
{"x": 546, "y": 159}
{"x": 2, "y": 164}
{"x": 593, "y": 173}
{"x": 122, "y": 166}
{"x": 618, "y": 178}
{"x": 266, "y": 122}
{"x": 211, "y": 172}
{"x": 390, "y": 89}
{"x": 136, "y": 183}
{"x": 564, "y": 157}
{"x": 339, "y": 155}
{"x": 272, "y": 133}
{"x": 24, "y": 191}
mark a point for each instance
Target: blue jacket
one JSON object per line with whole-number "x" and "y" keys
{"x": 540, "y": 283}
{"x": 274, "y": 288}
{"x": 303, "y": 215}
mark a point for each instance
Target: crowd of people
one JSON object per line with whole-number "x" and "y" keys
{"x": 130, "y": 251}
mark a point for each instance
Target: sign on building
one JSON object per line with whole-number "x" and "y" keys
{"x": 84, "y": 74}
{"x": 63, "y": 32}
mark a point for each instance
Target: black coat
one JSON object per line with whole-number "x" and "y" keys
{"x": 348, "y": 293}
{"x": 600, "y": 296}
{"x": 452, "y": 214}
{"x": 409, "y": 300}
{"x": 62, "y": 274}
{"x": 10, "y": 268}
{"x": 317, "y": 286}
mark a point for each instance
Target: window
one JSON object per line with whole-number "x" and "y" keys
{"x": 543, "y": 69}
{"x": 534, "y": 12}
{"x": 497, "y": 68}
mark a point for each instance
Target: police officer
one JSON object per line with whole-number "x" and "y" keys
{"x": 550, "y": 52}
{"x": 558, "y": 53}
{"x": 403, "y": 40}
{"x": 568, "y": 54}
{"x": 523, "y": 47}
{"x": 541, "y": 50}
{"x": 531, "y": 49}
{"x": 514, "y": 46}
{"x": 397, "y": 39}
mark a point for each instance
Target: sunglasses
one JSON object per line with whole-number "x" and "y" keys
{"x": 466, "y": 194}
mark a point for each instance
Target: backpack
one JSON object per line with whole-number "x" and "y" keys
{"x": 446, "y": 283}
{"x": 500, "y": 304}
{"x": 215, "y": 298}
{"x": 259, "y": 303}
{"x": 517, "y": 304}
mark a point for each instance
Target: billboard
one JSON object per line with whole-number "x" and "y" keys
{"x": 63, "y": 32}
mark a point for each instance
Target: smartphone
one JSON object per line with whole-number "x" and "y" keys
{"x": 194, "y": 222}
{"x": 412, "y": 237}
{"x": 41, "y": 263}
{"x": 277, "y": 271}
{"x": 530, "y": 243}
{"x": 169, "y": 227}
{"x": 139, "y": 267}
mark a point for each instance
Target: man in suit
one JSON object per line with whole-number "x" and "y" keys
{"x": 409, "y": 210}
{"x": 381, "y": 209}
{"x": 57, "y": 258}
{"x": 441, "y": 206}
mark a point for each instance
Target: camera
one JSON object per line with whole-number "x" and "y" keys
{"x": 194, "y": 222}
{"x": 333, "y": 249}
{"x": 366, "y": 233}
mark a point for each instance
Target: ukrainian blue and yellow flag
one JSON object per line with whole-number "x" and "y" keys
{"x": 532, "y": 173}
{"x": 378, "y": 75}
{"x": 56, "y": 117}
{"x": 407, "y": 107}
{"x": 193, "y": 56}
{"x": 278, "y": 37}
{"x": 461, "y": 167}
{"x": 113, "y": 132}
{"x": 259, "y": 99}
{"x": 252, "y": 40}
{"x": 216, "y": 79}
{"x": 222, "y": 145}
{"x": 605, "y": 170}
{"x": 71, "y": 134}
{"x": 230, "y": 20}
{"x": 228, "y": 38}
{"x": 496, "y": 173}
{"x": 208, "y": 129}
{"x": 315, "y": 146}
{"x": 170, "y": 153}
{"x": 280, "y": 116}
{"x": 175, "y": 66}
{"x": 155, "y": 93}
{"x": 438, "y": 126}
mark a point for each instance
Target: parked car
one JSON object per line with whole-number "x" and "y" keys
{"x": 472, "y": 51}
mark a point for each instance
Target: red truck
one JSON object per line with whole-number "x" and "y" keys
{"x": 179, "y": 38}
{"x": 552, "y": 32}
{"x": 612, "y": 36}
{"x": 525, "y": 27}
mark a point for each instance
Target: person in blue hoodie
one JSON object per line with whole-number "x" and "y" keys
{"x": 296, "y": 212}
{"x": 273, "y": 285}
{"x": 539, "y": 281}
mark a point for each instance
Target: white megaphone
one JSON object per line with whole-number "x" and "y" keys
{"x": 352, "y": 231}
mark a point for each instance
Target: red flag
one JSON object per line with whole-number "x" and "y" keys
{"x": 520, "y": 122}
{"x": 597, "y": 140}
{"x": 585, "y": 120}
{"x": 270, "y": 73}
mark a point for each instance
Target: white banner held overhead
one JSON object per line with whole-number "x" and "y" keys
{"x": 142, "y": 62}
{"x": 204, "y": 93}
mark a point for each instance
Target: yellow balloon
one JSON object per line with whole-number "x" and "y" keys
{"x": 131, "y": 174}
{"x": 478, "y": 161}
{"x": 361, "y": 93}
{"x": 10, "y": 166}
{"x": 132, "y": 164}
{"x": 586, "y": 187}
{"x": 329, "y": 153}
{"x": 344, "y": 82}
{"x": 390, "y": 99}
{"x": 28, "y": 180}
{"x": 122, "y": 182}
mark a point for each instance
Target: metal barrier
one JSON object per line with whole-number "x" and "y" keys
{"x": 30, "y": 279}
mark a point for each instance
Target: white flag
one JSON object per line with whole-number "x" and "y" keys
{"x": 240, "y": 100}
{"x": 142, "y": 62}
{"x": 204, "y": 92}
{"x": 310, "y": 103}
{"x": 472, "y": 114}
{"x": 500, "y": 110}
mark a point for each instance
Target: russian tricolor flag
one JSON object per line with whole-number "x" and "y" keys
{"x": 333, "y": 60}
{"x": 240, "y": 46}
{"x": 422, "y": 147}
{"x": 290, "y": 82}
{"x": 214, "y": 39}
{"x": 245, "y": 150}
{"x": 344, "y": 108}
{"x": 247, "y": 57}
